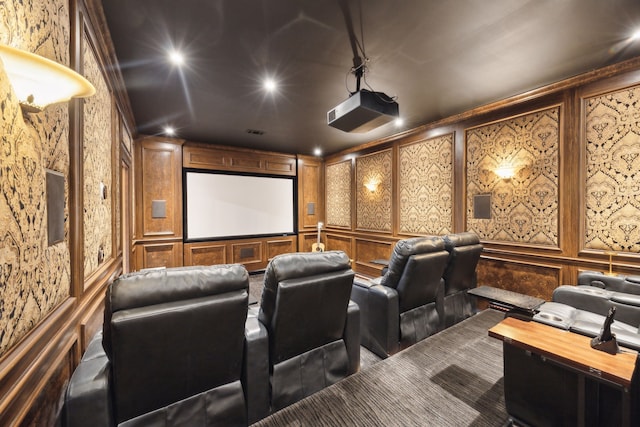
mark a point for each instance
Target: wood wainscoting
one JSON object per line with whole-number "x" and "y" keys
{"x": 254, "y": 253}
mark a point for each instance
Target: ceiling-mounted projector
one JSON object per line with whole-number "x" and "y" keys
{"x": 363, "y": 111}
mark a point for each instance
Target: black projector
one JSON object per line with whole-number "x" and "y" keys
{"x": 363, "y": 111}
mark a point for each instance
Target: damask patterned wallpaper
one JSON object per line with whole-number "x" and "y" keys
{"x": 524, "y": 209}
{"x": 97, "y": 166}
{"x": 338, "y": 194}
{"x": 373, "y": 208}
{"x": 612, "y": 193}
{"x": 34, "y": 277}
{"x": 426, "y": 186}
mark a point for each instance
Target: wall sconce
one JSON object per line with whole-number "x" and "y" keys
{"x": 39, "y": 82}
{"x": 505, "y": 172}
{"x": 372, "y": 185}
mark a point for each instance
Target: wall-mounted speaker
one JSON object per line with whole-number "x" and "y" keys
{"x": 55, "y": 207}
{"x": 482, "y": 206}
{"x": 158, "y": 209}
{"x": 247, "y": 253}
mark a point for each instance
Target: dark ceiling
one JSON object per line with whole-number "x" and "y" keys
{"x": 438, "y": 57}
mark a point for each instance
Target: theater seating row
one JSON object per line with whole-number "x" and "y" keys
{"x": 180, "y": 346}
{"x": 583, "y": 308}
{"x": 422, "y": 291}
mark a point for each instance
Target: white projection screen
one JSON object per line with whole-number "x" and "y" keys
{"x": 222, "y": 205}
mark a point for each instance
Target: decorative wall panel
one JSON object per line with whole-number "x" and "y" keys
{"x": 34, "y": 277}
{"x": 524, "y": 208}
{"x": 426, "y": 186}
{"x": 612, "y": 191}
{"x": 373, "y": 210}
{"x": 522, "y": 277}
{"x": 98, "y": 168}
{"x": 339, "y": 194}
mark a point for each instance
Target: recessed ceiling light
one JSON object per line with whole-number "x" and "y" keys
{"x": 635, "y": 36}
{"x": 317, "y": 151}
{"x": 169, "y": 131}
{"x": 398, "y": 122}
{"x": 176, "y": 57}
{"x": 269, "y": 85}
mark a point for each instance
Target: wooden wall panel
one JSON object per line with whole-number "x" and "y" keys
{"x": 279, "y": 246}
{"x": 248, "y": 253}
{"x": 306, "y": 241}
{"x": 253, "y": 253}
{"x": 47, "y": 404}
{"x": 530, "y": 278}
{"x": 160, "y": 180}
{"x": 161, "y": 255}
{"x": 215, "y": 157}
{"x": 371, "y": 250}
{"x": 310, "y": 195}
{"x": 336, "y": 242}
{"x": 205, "y": 253}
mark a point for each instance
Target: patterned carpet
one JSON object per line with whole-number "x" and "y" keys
{"x": 453, "y": 378}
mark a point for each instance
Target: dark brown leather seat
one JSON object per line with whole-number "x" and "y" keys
{"x": 313, "y": 328}
{"x": 177, "y": 349}
{"x": 406, "y": 304}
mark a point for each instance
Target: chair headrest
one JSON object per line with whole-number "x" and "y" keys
{"x": 405, "y": 249}
{"x": 152, "y": 287}
{"x": 304, "y": 264}
{"x": 460, "y": 239}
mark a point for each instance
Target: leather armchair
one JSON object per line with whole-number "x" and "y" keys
{"x": 406, "y": 304}
{"x": 460, "y": 276}
{"x": 313, "y": 328}
{"x": 177, "y": 348}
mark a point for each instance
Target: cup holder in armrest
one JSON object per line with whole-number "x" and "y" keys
{"x": 552, "y": 317}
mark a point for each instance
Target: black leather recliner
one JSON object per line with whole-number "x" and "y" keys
{"x": 583, "y": 308}
{"x": 177, "y": 348}
{"x": 313, "y": 328}
{"x": 460, "y": 276}
{"x": 406, "y": 304}
{"x": 539, "y": 392}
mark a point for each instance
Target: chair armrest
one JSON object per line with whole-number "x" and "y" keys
{"x": 584, "y": 297}
{"x": 352, "y": 336}
{"x": 255, "y": 374}
{"x": 379, "y": 317}
{"x": 87, "y": 400}
{"x": 628, "y": 299}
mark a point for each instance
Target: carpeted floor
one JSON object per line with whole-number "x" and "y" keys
{"x": 453, "y": 378}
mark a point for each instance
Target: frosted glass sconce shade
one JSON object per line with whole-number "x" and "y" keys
{"x": 505, "y": 172}
{"x": 39, "y": 82}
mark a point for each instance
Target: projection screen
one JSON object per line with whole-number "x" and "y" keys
{"x": 223, "y": 206}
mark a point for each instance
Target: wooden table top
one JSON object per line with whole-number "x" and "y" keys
{"x": 568, "y": 348}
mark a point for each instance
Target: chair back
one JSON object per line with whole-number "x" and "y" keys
{"x": 172, "y": 334}
{"x": 304, "y": 301}
{"x": 415, "y": 271}
{"x": 464, "y": 253}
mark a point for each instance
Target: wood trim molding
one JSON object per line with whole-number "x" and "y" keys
{"x": 200, "y": 156}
